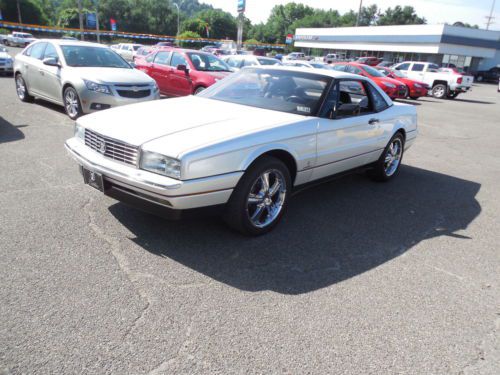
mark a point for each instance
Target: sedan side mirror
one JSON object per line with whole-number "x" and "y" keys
{"x": 51, "y": 61}
{"x": 183, "y": 68}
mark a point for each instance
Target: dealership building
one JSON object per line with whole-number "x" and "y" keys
{"x": 470, "y": 49}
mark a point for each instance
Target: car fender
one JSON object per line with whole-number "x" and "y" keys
{"x": 261, "y": 150}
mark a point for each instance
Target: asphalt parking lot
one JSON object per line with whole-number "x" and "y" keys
{"x": 359, "y": 278}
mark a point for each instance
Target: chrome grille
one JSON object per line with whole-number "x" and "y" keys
{"x": 111, "y": 148}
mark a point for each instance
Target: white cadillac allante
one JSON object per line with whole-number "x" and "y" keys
{"x": 244, "y": 144}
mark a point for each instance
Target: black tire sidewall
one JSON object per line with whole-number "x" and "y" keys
{"x": 236, "y": 211}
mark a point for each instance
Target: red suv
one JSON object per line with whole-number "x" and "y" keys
{"x": 181, "y": 72}
{"x": 369, "y": 60}
{"x": 393, "y": 88}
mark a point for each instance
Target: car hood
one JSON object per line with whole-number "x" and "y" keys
{"x": 182, "y": 124}
{"x": 387, "y": 80}
{"x": 112, "y": 75}
{"x": 218, "y": 75}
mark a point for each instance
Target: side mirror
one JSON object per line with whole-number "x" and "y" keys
{"x": 348, "y": 109}
{"x": 51, "y": 61}
{"x": 183, "y": 68}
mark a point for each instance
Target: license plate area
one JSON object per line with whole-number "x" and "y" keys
{"x": 93, "y": 179}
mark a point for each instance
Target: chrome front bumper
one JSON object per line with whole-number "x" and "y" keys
{"x": 152, "y": 187}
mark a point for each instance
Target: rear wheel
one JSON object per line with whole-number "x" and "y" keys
{"x": 22, "y": 89}
{"x": 414, "y": 97}
{"x": 439, "y": 91}
{"x": 260, "y": 198}
{"x": 387, "y": 166}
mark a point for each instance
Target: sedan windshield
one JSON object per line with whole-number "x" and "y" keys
{"x": 89, "y": 56}
{"x": 280, "y": 90}
{"x": 372, "y": 71}
{"x": 206, "y": 62}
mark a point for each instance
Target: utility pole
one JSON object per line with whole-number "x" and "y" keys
{"x": 359, "y": 12}
{"x": 490, "y": 18}
{"x": 80, "y": 17}
{"x": 97, "y": 21}
{"x": 19, "y": 12}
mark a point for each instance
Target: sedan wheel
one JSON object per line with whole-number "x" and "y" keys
{"x": 72, "y": 103}
{"x": 22, "y": 90}
{"x": 260, "y": 199}
{"x": 198, "y": 90}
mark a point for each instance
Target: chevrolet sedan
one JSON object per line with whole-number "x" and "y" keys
{"x": 83, "y": 77}
{"x": 245, "y": 144}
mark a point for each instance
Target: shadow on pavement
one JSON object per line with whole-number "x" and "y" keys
{"x": 9, "y": 132}
{"x": 472, "y": 101}
{"x": 331, "y": 232}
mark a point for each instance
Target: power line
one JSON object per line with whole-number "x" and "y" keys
{"x": 490, "y": 18}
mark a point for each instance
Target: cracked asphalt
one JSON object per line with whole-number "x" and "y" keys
{"x": 360, "y": 278}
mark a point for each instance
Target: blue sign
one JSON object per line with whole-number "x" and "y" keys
{"x": 241, "y": 6}
{"x": 91, "y": 21}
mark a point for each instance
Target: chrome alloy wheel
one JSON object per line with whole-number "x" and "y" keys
{"x": 20, "y": 87}
{"x": 393, "y": 157}
{"x": 266, "y": 198}
{"x": 71, "y": 103}
{"x": 438, "y": 91}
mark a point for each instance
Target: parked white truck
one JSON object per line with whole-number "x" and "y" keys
{"x": 444, "y": 84}
{"x": 17, "y": 39}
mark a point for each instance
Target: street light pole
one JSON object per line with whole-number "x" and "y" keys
{"x": 80, "y": 18}
{"x": 490, "y": 17}
{"x": 178, "y": 17}
{"x": 19, "y": 12}
{"x": 359, "y": 12}
{"x": 97, "y": 21}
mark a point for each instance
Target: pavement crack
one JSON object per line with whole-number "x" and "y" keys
{"x": 122, "y": 262}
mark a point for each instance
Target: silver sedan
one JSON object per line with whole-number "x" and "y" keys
{"x": 83, "y": 77}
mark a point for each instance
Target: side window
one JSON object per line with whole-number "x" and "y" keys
{"x": 28, "y": 51}
{"x": 38, "y": 50}
{"x": 404, "y": 66}
{"x": 50, "y": 52}
{"x": 178, "y": 59}
{"x": 379, "y": 103}
{"x": 150, "y": 58}
{"x": 162, "y": 58}
{"x": 353, "y": 100}
{"x": 233, "y": 63}
{"x": 330, "y": 104}
{"x": 433, "y": 68}
{"x": 417, "y": 67}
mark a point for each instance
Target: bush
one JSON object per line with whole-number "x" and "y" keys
{"x": 189, "y": 35}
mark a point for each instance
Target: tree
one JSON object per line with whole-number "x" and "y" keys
{"x": 400, "y": 16}
{"x": 465, "y": 24}
{"x": 221, "y": 24}
{"x": 188, "y": 35}
{"x": 32, "y": 11}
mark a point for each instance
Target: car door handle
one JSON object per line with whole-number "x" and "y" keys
{"x": 373, "y": 121}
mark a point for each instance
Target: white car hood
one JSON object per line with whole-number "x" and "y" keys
{"x": 183, "y": 124}
{"x": 112, "y": 75}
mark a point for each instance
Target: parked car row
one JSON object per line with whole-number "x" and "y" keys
{"x": 6, "y": 61}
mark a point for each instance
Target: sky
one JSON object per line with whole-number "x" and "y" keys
{"x": 435, "y": 11}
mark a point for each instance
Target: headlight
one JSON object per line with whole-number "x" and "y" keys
{"x": 161, "y": 164}
{"x": 97, "y": 87}
{"x": 418, "y": 86}
{"x": 155, "y": 87}
{"x": 389, "y": 85}
{"x": 79, "y": 132}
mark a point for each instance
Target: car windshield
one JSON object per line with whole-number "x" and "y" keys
{"x": 280, "y": 90}
{"x": 89, "y": 56}
{"x": 206, "y": 62}
{"x": 269, "y": 62}
{"x": 372, "y": 71}
{"x": 398, "y": 73}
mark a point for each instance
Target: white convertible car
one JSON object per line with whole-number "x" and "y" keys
{"x": 244, "y": 144}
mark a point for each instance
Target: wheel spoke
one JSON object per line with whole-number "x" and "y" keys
{"x": 254, "y": 198}
{"x": 274, "y": 189}
{"x": 257, "y": 213}
{"x": 388, "y": 159}
{"x": 265, "y": 182}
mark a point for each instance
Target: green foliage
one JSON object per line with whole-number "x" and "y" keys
{"x": 400, "y": 16}
{"x": 221, "y": 24}
{"x": 189, "y": 35}
{"x": 32, "y": 11}
{"x": 251, "y": 41}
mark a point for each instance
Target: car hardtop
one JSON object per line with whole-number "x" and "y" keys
{"x": 66, "y": 42}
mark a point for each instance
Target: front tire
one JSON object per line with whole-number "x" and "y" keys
{"x": 22, "y": 90}
{"x": 198, "y": 90}
{"x": 389, "y": 163}
{"x": 260, "y": 199}
{"x": 72, "y": 103}
{"x": 439, "y": 91}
